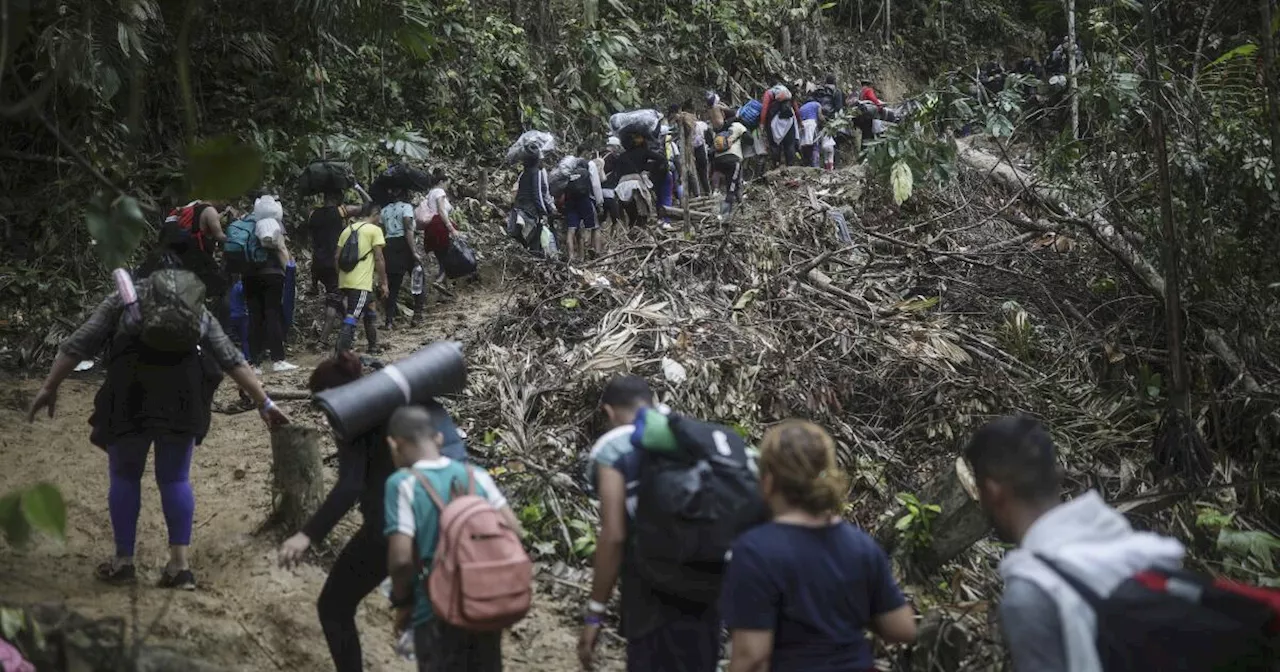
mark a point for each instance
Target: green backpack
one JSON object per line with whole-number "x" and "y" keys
{"x": 172, "y": 307}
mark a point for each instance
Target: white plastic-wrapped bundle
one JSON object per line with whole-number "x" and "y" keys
{"x": 644, "y": 122}
{"x": 531, "y": 145}
{"x": 267, "y": 207}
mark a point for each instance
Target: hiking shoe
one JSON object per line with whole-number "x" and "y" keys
{"x": 123, "y": 575}
{"x": 282, "y": 366}
{"x": 183, "y": 580}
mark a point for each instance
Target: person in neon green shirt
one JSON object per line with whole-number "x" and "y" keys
{"x": 357, "y": 284}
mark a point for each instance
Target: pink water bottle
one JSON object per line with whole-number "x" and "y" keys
{"x": 128, "y": 295}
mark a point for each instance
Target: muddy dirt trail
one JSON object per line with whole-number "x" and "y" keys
{"x": 247, "y": 613}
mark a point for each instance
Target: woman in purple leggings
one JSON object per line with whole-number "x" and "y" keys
{"x": 151, "y": 397}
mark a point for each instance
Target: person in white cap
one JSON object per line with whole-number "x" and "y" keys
{"x": 609, "y": 180}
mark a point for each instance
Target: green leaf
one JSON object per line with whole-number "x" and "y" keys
{"x": 223, "y": 168}
{"x": 1243, "y": 51}
{"x": 1213, "y": 519}
{"x": 116, "y": 226}
{"x": 44, "y": 509}
{"x": 569, "y": 303}
{"x": 901, "y": 179}
{"x": 12, "y": 621}
{"x": 904, "y": 522}
{"x": 16, "y": 529}
{"x": 1255, "y": 544}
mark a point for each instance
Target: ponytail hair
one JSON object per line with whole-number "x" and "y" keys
{"x": 335, "y": 372}
{"x": 800, "y": 458}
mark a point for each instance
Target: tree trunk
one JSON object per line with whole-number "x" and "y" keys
{"x": 1178, "y": 445}
{"x": 786, "y": 40}
{"x": 1273, "y": 88}
{"x": 960, "y": 524}
{"x": 1072, "y": 89}
{"x": 888, "y": 25}
{"x": 297, "y": 484}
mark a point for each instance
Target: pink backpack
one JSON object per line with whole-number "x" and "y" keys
{"x": 481, "y": 578}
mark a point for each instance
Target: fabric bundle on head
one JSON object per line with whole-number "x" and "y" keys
{"x": 269, "y": 232}
{"x": 614, "y": 141}
{"x": 712, "y": 99}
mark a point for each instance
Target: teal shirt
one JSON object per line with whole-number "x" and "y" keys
{"x": 393, "y": 218}
{"x": 410, "y": 511}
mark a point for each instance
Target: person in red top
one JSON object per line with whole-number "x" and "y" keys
{"x": 869, "y": 94}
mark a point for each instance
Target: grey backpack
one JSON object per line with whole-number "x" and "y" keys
{"x": 172, "y": 307}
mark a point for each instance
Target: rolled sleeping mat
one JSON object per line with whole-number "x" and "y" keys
{"x": 436, "y": 370}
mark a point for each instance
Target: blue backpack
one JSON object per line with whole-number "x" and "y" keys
{"x": 243, "y": 250}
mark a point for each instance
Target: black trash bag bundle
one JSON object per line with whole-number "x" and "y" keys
{"x": 459, "y": 261}
{"x": 320, "y": 176}
{"x": 400, "y": 176}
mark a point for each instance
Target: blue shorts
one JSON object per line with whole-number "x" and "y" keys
{"x": 580, "y": 213}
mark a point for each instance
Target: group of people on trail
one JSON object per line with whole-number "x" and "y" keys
{"x": 640, "y": 173}
{"x": 363, "y": 253}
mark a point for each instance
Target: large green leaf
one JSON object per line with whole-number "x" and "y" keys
{"x": 1243, "y": 51}
{"x": 117, "y": 227}
{"x": 16, "y": 529}
{"x": 223, "y": 168}
{"x": 1256, "y": 544}
{"x": 44, "y": 509}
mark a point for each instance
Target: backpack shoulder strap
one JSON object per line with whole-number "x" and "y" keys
{"x": 426, "y": 485}
{"x": 1089, "y": 595}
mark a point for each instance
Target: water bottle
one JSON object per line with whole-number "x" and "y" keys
{"x": 417, "y": 280}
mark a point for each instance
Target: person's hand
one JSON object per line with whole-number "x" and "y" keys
{"x": 382, "y": 292}
{"x": 403, "y": 619}
{"x": 273, "y": 416}
{"x": 292, "y": 550}
{"x": 587, "y": 645}
{"x": 46, "y": 398}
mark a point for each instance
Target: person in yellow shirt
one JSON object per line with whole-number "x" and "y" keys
{"x": 357, "y": 284}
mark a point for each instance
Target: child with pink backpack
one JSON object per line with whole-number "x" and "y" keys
{"x": 458, "y": 589}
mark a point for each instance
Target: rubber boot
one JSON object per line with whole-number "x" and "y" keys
{"x": 347, "y": 335}
{"x": 419, "y": 306}
{"x": 370, "y": 332}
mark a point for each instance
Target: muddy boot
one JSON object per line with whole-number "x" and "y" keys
{"x": 347, "y": 335}
{"x": 419, "y": 307}
{"x": 371, "y": 333}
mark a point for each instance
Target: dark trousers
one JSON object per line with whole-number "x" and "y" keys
{"x": 264, "y": 294}
{"x": 394, "y": 282}
{"x": 360, "y": 567}
{"x": 787, "y": 148}
{"x": 729, "y": 172}
{"x": 359, "y": 305}
{"x": 440, "y": 647}
{"x": 684, "y": 644}
{"x": 702, "y": 164}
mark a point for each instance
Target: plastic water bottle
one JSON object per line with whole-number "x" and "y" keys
{"x": 417, "y": 281}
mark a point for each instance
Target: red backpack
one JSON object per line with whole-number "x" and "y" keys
{"x": 1179, "y": 621}
{"x": 185, "y": 222}
{"x": 481, "y": 578}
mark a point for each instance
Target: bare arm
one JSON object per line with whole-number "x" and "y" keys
{"x": 401, "y": 567}
{"x": 752, "y": 651}
{"x": 612, "y": 487}
{"x": 897, "y": 626}
{"x": 380, "y": 266}
{"x": 409, "y": 227}
{"x": 211, "y": 224}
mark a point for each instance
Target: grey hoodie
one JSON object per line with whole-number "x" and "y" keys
{"x": 1098, "y": 546}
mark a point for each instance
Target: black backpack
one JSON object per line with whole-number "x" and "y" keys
{"x": 350, "y": 256}
{"x": 580, "y": 182}
{"x": 691, "y": 503}
{"x": 1180, "y": 621}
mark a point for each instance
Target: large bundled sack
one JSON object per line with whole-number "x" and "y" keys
{"x": 321, "y": 176}
{"x": 530, "y": 145}
{"x": 699, "y": 490}
{"x": 400, "y": 176}
{"x": 627, "y": 125}
{"x": 570, "y": 175}
{"x": 749, "y": 114}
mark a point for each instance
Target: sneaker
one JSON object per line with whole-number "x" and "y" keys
{"x": 183, "y": 580}
{"x": 122, "y": 575}
{"x": 282, "y": 366}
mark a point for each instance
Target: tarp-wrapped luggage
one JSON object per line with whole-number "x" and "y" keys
{"x": 530, "y": 145}
{"x": 321, "y": 176}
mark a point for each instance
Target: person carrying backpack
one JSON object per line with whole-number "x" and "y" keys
{"x": 360, "y": 262}
{"x": 810, "y": 121}
{"x": 664, "y": 630}
{"x": 401, "y": 254}
{"x": 260, "y": 244}
{"x": 364, "y": 465}
{"x": 727, "y": 165}
{"x": 533, "y": 203}
{"x": 326, "y": 224}
{"x": 165, "y": 354}
{"x": 1048, "y": 625}
{"x": 802, "y": 589}
{"x": 481, "y": 539}
{"x": 582, "y": 197}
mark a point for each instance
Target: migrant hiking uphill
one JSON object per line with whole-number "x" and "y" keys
{"x": 703, "y": 532}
